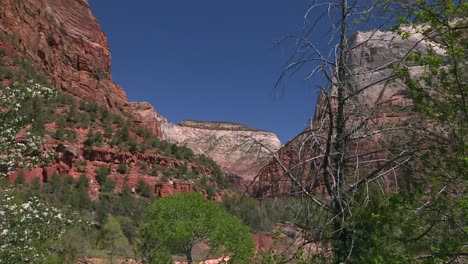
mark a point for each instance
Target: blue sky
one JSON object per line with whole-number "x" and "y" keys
{"x": 210, "y": 60}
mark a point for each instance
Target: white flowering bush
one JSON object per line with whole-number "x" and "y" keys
{"x": 27, "y": 226}
{"x": 24, "y": 154}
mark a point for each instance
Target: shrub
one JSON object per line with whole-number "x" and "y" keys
{"x": 82, "y": 183}
{"x": 122, "y": 168}
{"x": 143, "y": 167}
{"x": 144, "y": 189}
{"x": 132, "y": 146}
{"x": 59, "y": 134}
{"x": 70, "y": 135}
{"x": 108, "y": 186}
{"x": 20, "y": 178}
{"x": 80, "y": 165}
{"x": 210, "y": 191}
{"x": 182, "y": 170}
{"x": 101, "y": 174}
{"x": 155, "y": 170}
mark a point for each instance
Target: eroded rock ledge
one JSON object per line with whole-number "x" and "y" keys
{"x": 234, "y": 147}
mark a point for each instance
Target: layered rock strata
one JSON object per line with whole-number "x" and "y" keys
{"x": 64, "y": 40}
{"x": 378, "y": 113}
{"x": 237, "y": 149}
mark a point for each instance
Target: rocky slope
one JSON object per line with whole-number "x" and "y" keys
{"x": 380, "y": 98}
{"x": 64, "y": 39}
{"x": 236, "y": 148}
{"x": 60, "y": 43}
{"x": 87, "y": 138}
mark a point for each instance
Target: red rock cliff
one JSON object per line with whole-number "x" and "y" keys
{"x": 379, "y": 118}
{"x": 64, "y": 40}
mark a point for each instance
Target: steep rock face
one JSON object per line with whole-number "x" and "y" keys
{"x": 380, "y": 97}
{"x": 236, "y": 148}
{"x": 75, "y": 160}
{"x": 147, "y": 116}
{"x": 64, "y": 40}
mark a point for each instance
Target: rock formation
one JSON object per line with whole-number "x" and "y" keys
{"x": 379, "y": 96}
{"x": 64, "y": 40}
{"x": 236, "y": 148}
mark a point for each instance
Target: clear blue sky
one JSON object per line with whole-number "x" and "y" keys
{"x": 210, "y": 60}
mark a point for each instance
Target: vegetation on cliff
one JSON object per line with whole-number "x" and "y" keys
{"x": 369, "y": 187}
{"x": 43, "y": 119}
{"x": 395, "y": 182}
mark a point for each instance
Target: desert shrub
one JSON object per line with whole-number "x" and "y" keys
{"x": 108, "y": 186}
{"x": 122, "y": 168}
{"x": 63, "y": 99}
{"x": 80, "y": 165}
{"x": 82, "y": 183}
{"x": 144, "y": 189}
{"x": 155, "y": 170}
{"x": 181, "y": 170}
{"x": 59, "y": 134}
{"x": 93, "y": 139}
{"x": 60, "y": 121}
{"x": 132, "y": 146}
{"x": 70, "y": 135}
{"x": 20, "y": 178}
{"x": 82, "y": 119}
{"x": 210, "y": 191}
{"x": 101, "y": 174}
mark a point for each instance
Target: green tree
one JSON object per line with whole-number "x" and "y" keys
{"x": 439, "y": 93}
{"x": 114, "y": 238}
{"x": 27, "y": 227}
{"x": 426, "y": 157}
{"x": 101, "y": 174}
{"x": 180, "y": 221}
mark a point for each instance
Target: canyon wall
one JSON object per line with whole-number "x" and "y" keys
{"x": 235, "y": 148}
{"x": 378, "y": 114}
{"x": 63, "y": 39}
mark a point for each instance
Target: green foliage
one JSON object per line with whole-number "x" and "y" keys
{"x": 70, "y": 135}
{"x": 70, "y": 246}
{"x": 28, "y": 226}
{"x": 59, "y": 133}
{"x": 20, "y": 178}
{"x": 27, "y": 72}
{"x": 16, "y": 103}
{"x": 4, "y": 72}
{"x": 144, "y": 189}
{"x": 177, "y": 222}
{"x": 122, "y": 168}
{"x": 93, "y": 139}
{"x": 108, "y": 185}
{"x": 262, "y": 215}
{"x": 80, "y": 165}
{"x": 101, "y": 174}
{"x": 114, "y": 238}
{"x": 439, "y": 95}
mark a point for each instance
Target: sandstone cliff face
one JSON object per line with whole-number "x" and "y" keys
{"x": 235, "y": 148}
{"x": 145, "y": 114}
{"x": 64, "y": 40}
{"x": 380, "y": 97}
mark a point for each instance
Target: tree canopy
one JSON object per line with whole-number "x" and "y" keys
{"x": 177, "y": 223}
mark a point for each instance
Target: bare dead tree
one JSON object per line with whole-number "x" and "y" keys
{"x": 364, "y": 135}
